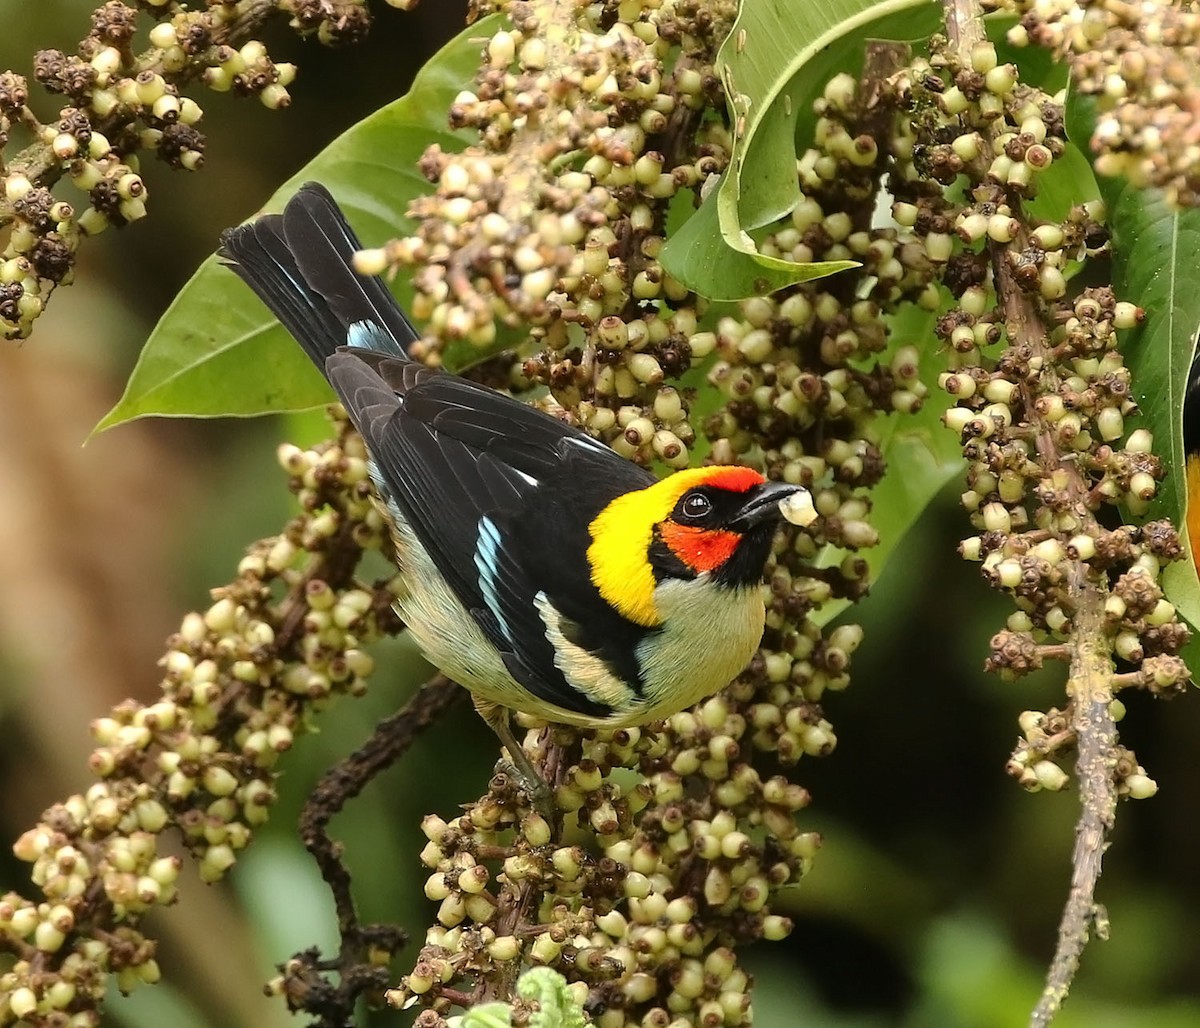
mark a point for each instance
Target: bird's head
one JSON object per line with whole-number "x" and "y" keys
{"x": 714, "y": 521}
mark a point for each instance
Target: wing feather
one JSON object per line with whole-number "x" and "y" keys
{"x": 450, "y": 453}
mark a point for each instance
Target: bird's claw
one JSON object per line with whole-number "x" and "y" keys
{"x": 535, "y": 787}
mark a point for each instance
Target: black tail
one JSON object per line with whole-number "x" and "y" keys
{"x": 298, "y": 263}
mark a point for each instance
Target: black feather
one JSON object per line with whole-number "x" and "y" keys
{"x": 1191, "y": 408}
{"x": 324, "y": 245}
{"x": 299, "y": 264}
{"x": 449, "y": 452}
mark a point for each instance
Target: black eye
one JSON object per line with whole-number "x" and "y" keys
{"x": 696, "y": 506}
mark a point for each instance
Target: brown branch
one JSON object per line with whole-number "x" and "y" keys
{"x": 1090, "y": 682}
{"x": 1090, "y": 686}
{"x": 358, "y": 966}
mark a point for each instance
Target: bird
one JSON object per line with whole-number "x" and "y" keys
{"x": 537, "y": 567}
{"x": 1191, "y": 448}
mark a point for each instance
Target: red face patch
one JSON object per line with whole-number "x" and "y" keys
{"x": 701, "y": 549}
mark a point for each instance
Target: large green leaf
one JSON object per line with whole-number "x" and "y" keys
{"x": 217, "y": 351}
{"x": 1156, "y": 250}
{"x": 922, "y": 455}
{"x": 774, "y": 64}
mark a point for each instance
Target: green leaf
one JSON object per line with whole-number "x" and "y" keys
{"x": 1156, "y": 249}
{"x": 217, "y": 351}
{"x": 922, "y": 456}
{"x": 1067, "y": 182}
{"x": 770, "y": 46}
{"x": 698, "y": 257}
{"x": 774, "y": 64}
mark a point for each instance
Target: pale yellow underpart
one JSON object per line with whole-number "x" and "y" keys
{"x": 708, "y": 635}
{"x": 448, "y": 636}
{"x": 584, "y": 670}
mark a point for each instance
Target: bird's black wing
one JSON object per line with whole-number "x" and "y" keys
{"x": 482, "y": 479}
{"x": 486, "y": 483}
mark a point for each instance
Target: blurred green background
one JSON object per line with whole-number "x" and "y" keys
{"x": 936, "y": 898}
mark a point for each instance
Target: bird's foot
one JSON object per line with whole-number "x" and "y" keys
{"x": 517, "y": 765}
{"x": 521, "y": 771}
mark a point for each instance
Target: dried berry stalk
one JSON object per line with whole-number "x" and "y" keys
{"x": 1041, "y": 425}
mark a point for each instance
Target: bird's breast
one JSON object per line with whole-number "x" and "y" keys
{"x": 708, "y": 635}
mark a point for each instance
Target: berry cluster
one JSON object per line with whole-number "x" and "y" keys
{"x": 805, "y": 373}
{"x": 590, "y": 120}
{"x": 241, "y": 680}
{"x": 1042, "y": 394}
{"x": 610, "y": 910}
{"x": 1137, "y": 62}
{"x": 119, "y": 104}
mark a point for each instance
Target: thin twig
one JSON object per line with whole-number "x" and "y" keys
{"x": 1090, "y": 686}
{"x": 308, "y": 984}
{"x": 1090, "y": 681}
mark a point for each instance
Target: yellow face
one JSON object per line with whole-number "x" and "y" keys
{"x": 677, "y": 671}
{"x": 623, "y": 531}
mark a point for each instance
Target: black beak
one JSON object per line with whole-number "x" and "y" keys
{"x": 762, "y": 505}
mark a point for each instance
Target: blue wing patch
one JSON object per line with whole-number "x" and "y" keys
{"x": 369, "y": 335}
{"x": 487, "y": 563}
